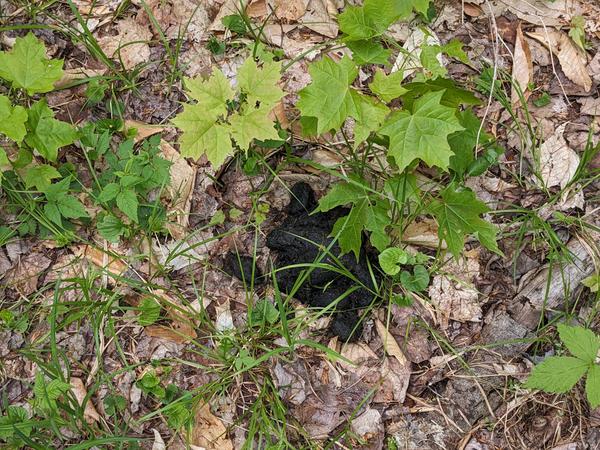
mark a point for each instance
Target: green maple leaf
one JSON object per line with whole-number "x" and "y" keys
{"x": 254, "y": 124}
{"x": 387, "y": 87}
{"x": 368, "y": 52}
{"x": 212, "y": 94}
{"x": 557, "y": 374}
{"x": 422, "y": 134}
{"x": 260, "y": 84}
{"x": 458, "y": 215}
{"x": 366, "y": 214}
{"x": 328, "y": 98}
{"x": 40, "y": 176}
{"x": 12, "y": 120}
{"x": 369, "y": 114}
{"x": 46, "y": 134}
{"x": 375, "y": 16}
{"x": 27, "y": 67}
{"x": 202, "y": 134}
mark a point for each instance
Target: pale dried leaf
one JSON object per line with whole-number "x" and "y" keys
{"x": 228, "y": 8}
{"x": 143, "y": 130}
{"x": 390, "y": 345}
{"x": 159, "y": 443}
{"x": 79, "y": 391}
{"x": 368, "y": 425}
{"x": 409, "y": 60}
{"x": 181, "y": 18}
{"x": 557, "y": 161}
{"x": 571, "y": 58}
{"x": 109, "y": 262}
{"x": 182, "y": 329}
{"x": 522, "y": 69}
{"x": 130, "y": 45}
{"x": 320, "y": 16}
{"x": 208, "y": 431}
{"x": 257, "y": 8}
{"x": 291, "y": 385}
{"x": 224, "y": 320}
{"x": 25, "y": 275}
{"x": 590, "y": 106}
{"x": 423, "y": 233}
{"x": 290, "y": 10}
{"x": 75, "y": 74}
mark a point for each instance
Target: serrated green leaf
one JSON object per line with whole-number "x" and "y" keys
{"x": 40, "y": 176}
{"x": 387, "y": 87}
{"x": 71, "y": 208}
{"x": 255, "y": 124}
{"x": 423, "y": 133}
{"x": 340, "y": 194}
{"x": 127, "y": 202}
{"x": 55, "y": 191}
{"x": 581, "y": 342}
{"x": 12, "y": 120}
{"x": 53, "y": 213}
{"x": 592, "y": 386}
{"x": 260, "y": 84}
{"x": 328, "y": 98}
{"x": 557, "y": 374}
{"x": 349, "y": 229}
{"x": 149, "y": 311}
{"x": 27, "y": 67}
{"x": 463, "y": 142}
{"x": 457, "y": 214}
{"x": 416, "y": 281}
{"x": 109, "y": 192}
{"x": 46, "y": 134}
{"x": 212, "y": 94}
{"x": 377, "y": 221}
{"x": 203, "y": 135}
{"x": 368, "y": 52}
{"x": 452, "y": 97}
{"x": 592, "y": 282}
{"x": 369, "y": 115}
{"x": 111, "y": 228}
{"x": 391, "y": 260}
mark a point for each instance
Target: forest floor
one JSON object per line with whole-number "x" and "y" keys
{"x": 146, "y": 340}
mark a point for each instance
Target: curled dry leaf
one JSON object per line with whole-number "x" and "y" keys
{"x": 209, "y": 432}
{"x": 159, "y": 443}
{"x": 572, "y": 59}
{"x": 110, "y": 262}
{"x": 79, "y": 391}
{"x": 424, "y": 233}
{"x": 75, "y": 74}
{"x": 557, "y": 161}
{"x": 453, "y": 293}
{"x": 319, "y": 17}
{"x": 390, "y": 345}
{"x": 130, "y": 45}
{"x": 522, "y": 69}
{"x": 290, "y": 10}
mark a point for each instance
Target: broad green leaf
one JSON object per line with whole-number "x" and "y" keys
{"x": 328, "y": 98}
{"x": 592, "y": 282}
{"x": 212, "y": 94}
{"x": 577, "y": 31}
{"x": 387, "y": 87}
{"x": 128, "y": 203}
{"x": 27, "y": 67}
{"x": 463, "y": 142}
{"x": 149, "y": 311}
{"x": 457, "y": 214}
{"x": 109, "y": 192}
{"x": 260, "y": 84}
{"x": 368, "y": 52}
{"x": 203, "y": 135}
{"x": 557, "y": 374}
{"x": 255, "y": 124}
{"x": 71, "y": 208}
{"x": 46, "y": 134}
{"x": 40, "y": 176}
{"x": 416, "y": 281}
{"x": 452, "y": 97}
{"x": 592, "y": 386}
{"x": 423, "y": 133}
{"x": 57, "y": 190}
{"x": 392, "y": 259}
{"x": 375, "y": 16}
{"x": 369, "y": 114}
{"x": 378, "y": 220}
{"x": 12, "y": 120}
{"x": 430, "y": 57}
{"x": 53, "y": 213}
{"x": 581, "y": 342}
{"x": 111, "y": 228}
{"x": 349, "y": 229}
{"x": 264, "y": 312}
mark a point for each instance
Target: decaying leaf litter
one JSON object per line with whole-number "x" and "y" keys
{"x": 442, "y": 370}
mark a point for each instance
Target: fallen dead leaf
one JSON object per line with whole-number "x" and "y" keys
{"x": 182, "y": 329}
{"x": 208, "y": 431}
{"x": 423, "y": 233}
{"x": 130, "y": 45}
{"x": 409, "y": 60}
{"x": 227, "y": 9}
{"x": 143, "y": 130}
{"x": 159, "y": 443}
{"x": 290, "y": 10}
{"x": 178, "y": 18}
{"x": 390, "y": 345}
{"x": 257, "y": 8}
{"x": 368, "y": 425}
{"x": 79, "y": 73}
{"x": 291, "y": 384}
{"x": 79, "y": 391}
{"x": 590, "y": 106}
{"x": 24, "y": 276}
{"x": 453, "y": 293}
{"x": 112, "y": 263}
{"x": 522, "y": 69}
{"x": 319, "y": 17}
{"x": 573, "y": 60}
{"x": 557, "y": 161}
{"x": 472, "y": 10}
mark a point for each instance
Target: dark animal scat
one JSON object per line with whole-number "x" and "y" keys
{"x": 240, "y": 266}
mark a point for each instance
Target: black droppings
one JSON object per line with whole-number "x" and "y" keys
{"x": 300, "y": 239}
{"x": 240, "y": 266}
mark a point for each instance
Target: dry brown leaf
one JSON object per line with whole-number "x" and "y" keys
{"x": 97, "y": 8}
{"x": 453, "y": 293}
{"x": 572, "y": 59}
{"x": 178, "y": 18}
{"x": 25, "y": 275}
{"x": 228, "y": 8}
{"x": 112, "y": 263}
{"x": 179, "y": 191}
{"x": 80, "y": 73}
{"x": 319, "y": 17}
{"x": 390, "y": 345}
{"x": 472, "y": 10}
{"x": 257, "y": 8}
{"x": 182, "y": 329}
{"x": 557, "y": 161}
{"x": 290, "y": 10}
{"x": 368, "y": 425}
{"x": 590, "y": 106}
{"x": 522, "y": 69}
{"x": 209, "y": 432}
{"x": 79, "y": 391}
{"x": 423, "y": 233}
{"x": 130, "y": 45}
